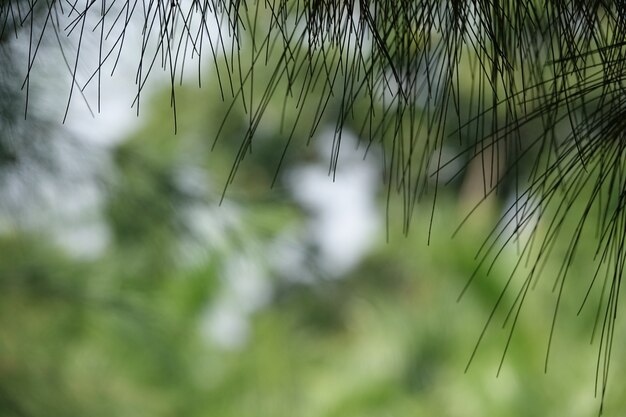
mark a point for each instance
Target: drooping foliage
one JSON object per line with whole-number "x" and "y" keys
{"x": 531, "y": 92}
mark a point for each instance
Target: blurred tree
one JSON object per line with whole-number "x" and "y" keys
{"x": 527, "y": 95}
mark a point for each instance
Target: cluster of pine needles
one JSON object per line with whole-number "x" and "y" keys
{"x": 545, "y": 113}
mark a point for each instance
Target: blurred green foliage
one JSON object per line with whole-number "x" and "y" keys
{"x": 124, "y": 334}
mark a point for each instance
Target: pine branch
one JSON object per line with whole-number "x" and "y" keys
{"x": 400, "y": 72}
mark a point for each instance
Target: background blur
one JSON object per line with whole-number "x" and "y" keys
{"x": 133, "y": 284}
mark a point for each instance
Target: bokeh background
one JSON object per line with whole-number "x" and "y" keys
{"x": 139, "y": 278}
